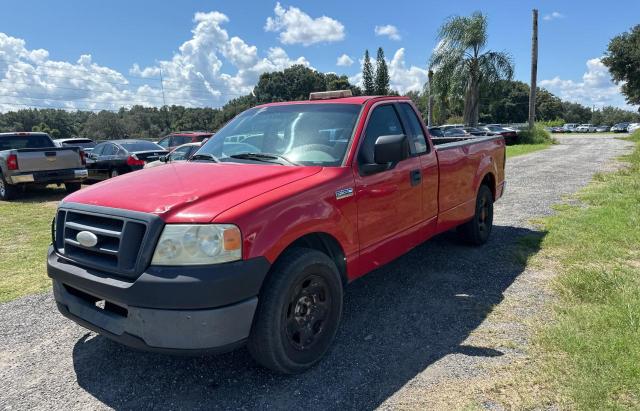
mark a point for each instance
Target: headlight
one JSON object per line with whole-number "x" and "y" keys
{"x": 196, "y": 244}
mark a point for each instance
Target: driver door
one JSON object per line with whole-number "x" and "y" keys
{"x": 389, "y": 202}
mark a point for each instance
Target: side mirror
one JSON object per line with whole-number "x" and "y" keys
{"x": 387, "y": 152}
{"x": 391, "y": 149}
{"x": 164, "y": 159}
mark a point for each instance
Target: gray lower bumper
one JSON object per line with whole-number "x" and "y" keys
{"x": 161, "y": 329}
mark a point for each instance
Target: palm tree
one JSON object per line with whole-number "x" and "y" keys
{"x": 461, "y": 64}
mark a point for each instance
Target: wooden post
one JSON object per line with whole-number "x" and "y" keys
{"x": 534, "y": 70}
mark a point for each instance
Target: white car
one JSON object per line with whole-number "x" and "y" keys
{"x": 633, "y": 127}
{"x": 586, "y": 128}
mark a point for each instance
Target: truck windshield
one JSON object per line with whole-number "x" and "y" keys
{"x": 306, "y": 134}
{"x": 16, "y": 141}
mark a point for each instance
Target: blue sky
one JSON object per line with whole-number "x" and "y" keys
{"x": 226, "y": 51}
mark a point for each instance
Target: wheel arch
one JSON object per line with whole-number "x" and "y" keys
{"x": 325, "y": 243}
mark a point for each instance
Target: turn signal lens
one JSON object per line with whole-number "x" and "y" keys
{"x": 232, "y": 240}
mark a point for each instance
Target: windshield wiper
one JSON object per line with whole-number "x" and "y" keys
{"x": 204, "y": 156}
{"x": 266, "y": 157}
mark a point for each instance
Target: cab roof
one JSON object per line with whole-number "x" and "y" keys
{"x": 359, "y": 100}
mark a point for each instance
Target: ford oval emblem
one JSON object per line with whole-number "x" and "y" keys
{"x": 87, "y": 239}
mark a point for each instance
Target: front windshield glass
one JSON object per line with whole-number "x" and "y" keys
{"x": 306, "y": 134}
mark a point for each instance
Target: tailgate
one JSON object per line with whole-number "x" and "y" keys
{"x": 44, "y": 159}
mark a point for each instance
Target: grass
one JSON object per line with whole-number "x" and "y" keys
{"x": 521, "y": 149}
{"x": 25, "y": 234}
{"x": 591, "y": 348}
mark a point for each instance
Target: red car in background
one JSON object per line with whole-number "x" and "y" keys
{"x": 174, "y": 140}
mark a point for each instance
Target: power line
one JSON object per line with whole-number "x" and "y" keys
{"x": 111, "y": 101}
{"x": 202, "y": 91}
{"x": 147, "y": 79}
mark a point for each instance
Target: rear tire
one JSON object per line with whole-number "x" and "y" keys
{"x": 298, "y": 312}
{"x": 7, "y": 191}
{"x": 72, "y": 187}
{"x": 478, "y": 229}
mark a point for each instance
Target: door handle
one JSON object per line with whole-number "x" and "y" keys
{"x": 416, "y": 177}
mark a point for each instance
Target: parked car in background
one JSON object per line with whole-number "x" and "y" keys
{"x": 436, "y": 132}
{"x": 601, "y": 129}
{"x": 180, "y": 153}
{"x": 620, "y": 128}
{"x": 475, "y": 131}
{"x": 510, "y": 135}
{"x": 86, "y": 144}
{"x": 33, "y": 158}
{"x": 586, "y": 128}
{"x": 111, "y": 158}
{"x": 174, "y": 140}
{"x": 633, "y": 127}
{"x": 570, "y": 127}
{"x": 456, "y": 132}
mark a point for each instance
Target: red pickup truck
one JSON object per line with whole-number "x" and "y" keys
{"x": 255, "y": 238}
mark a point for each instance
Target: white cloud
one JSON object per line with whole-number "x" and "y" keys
{"x": 297, "y": 27}
{"x": 596, "y": 87}
{"x": 553, "y": 16}
{"x": 401, "y": 78}
{"x": 405, "y": 79}
{"x": 207, "y": 70}
{"x": 344, "y": 61}
{"x": 388, "y": 30}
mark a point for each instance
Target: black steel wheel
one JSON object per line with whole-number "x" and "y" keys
{"x": 298, "y": 313}
{"x": 478, "y": 229}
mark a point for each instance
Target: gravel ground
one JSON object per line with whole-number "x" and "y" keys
{"x": 406, "y": 327}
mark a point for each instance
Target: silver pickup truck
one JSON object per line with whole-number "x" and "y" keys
{"x": 33, "y": 158}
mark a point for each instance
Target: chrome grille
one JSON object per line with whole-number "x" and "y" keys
{"x": 125, "y": 239}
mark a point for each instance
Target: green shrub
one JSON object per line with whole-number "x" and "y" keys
{"x": 536, "y": 136}
{"x": 551, "y": 123}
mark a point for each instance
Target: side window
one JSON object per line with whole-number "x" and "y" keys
{"x": 98, "y": 150}
{"x": 417, "y": 135}
{"x": 180, "y": 140}
{"x": 180, "y": 153}
{"x": 109, "y": 150}
{"x": 164, "y": 143}
{"x": 383, "y": 121}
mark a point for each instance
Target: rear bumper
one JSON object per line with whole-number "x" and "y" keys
{"x": 169, "y": 309}
{"x": 52, "y": 176}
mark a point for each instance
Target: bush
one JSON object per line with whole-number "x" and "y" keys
{"x": 552, "y": 123}
{"x": 536, "y": 136}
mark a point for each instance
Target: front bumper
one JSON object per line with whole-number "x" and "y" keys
{"x": 169, "y": 309}
{"x": 53, "y": 176}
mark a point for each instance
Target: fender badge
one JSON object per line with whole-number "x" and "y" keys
{"x": 344, "y": 193}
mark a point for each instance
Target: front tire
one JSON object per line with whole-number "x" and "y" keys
{"x": 478, "y": 229}
{"x": 298, "y": 312}
{"x": 113, "y": 173}
{"x": 72, "y": 187}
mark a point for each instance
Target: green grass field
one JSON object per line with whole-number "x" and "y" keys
{"x": 521, "y": 149}
{"x": 25, "y": 233}
{"x": 592, "y": 346}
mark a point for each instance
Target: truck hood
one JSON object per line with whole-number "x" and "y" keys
{"x": 189, "y": 192}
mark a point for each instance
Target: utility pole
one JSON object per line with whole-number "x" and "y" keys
{"x": 164, "y": 103}
{"x": 430, "y": 111}
{"x": 534, "y": 70}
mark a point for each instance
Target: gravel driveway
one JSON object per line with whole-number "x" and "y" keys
{"x": 404, "y": 325}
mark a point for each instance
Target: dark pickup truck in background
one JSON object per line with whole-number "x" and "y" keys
{"x": 33, "y": 158}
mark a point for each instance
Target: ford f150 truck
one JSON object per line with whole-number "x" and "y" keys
{"x": 256, "y": 245}
{"x": 33, "y": 158}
